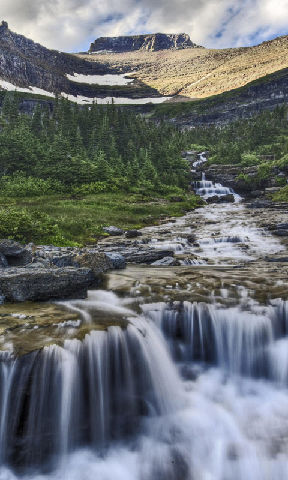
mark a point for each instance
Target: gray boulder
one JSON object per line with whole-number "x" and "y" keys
{"x": 133, "y": 233}
{"x": 37, "y": 284}
{"x": 147, "y": 256}
{"x": 96, "y": 261}
{"x": 281, "y": 233}
{"x": 63, "y": 261}
{"x": 114, "y": 231}
{"x": 117, "y": 259}
{"x": 16, "y": 254}
{"x": 165, "y": 262}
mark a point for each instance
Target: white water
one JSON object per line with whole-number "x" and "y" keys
{"x": 202, "y": 159}
{"x": 183, "y": 391}
{"x": 206, "y": 189}
{"x": 219, "y": 426}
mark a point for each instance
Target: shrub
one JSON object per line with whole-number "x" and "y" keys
{"x": 249, "y": 159}
{"x": 20, "y": 185}
{"x": 27, "y": 226}
{"x": 283, "y": 163}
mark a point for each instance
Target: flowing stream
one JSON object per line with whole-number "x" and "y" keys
{"x": 171, "y": 373}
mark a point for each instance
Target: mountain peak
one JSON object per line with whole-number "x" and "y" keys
{"x": 4, "y": 25}
{"x": 150, "y": 42}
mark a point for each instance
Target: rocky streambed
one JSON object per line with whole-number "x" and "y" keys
{"x": 159, "y": 353}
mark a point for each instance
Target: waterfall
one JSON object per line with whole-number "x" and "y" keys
{"x": 87, "y": 393}
{"x": 206, "y": 188}
{"x": 239, "y": 341}
{"x": 116, "y": 404}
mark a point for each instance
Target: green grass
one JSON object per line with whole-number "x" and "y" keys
{"x": 81, "y": 220}
{"x": 282, "y": 195}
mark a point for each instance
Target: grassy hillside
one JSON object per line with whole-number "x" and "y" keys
{"x": 199, "y": 73}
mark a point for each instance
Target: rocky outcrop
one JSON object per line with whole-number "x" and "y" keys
{"x": 43, "y": 273}
{"x": 30, "y": 283}
{"x": 14, "y": 254}
{"x": 150, "y": 42}
{"x": 243, "y": 180}
{"x": 25, "y": 63}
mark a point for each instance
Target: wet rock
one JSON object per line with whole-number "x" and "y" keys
{"x": 281, "y": 233}
{"x": 191, "y": 238}
{"x": 256, "y": 193}
{"x": 176, "y": 199}
{"x": 281, "y": 226}
{"x": 113, "y": 230}
{"x": 15, "y": 253}
{"x": 229, "y": 198}
{"x": 147, "y": 256}
{"x": 3, "y": 261}
{"x": 133, "y": 233}
{"x": 117, "y": 259}
{"x": 166, "y": 261}
{"x": 36, "y": 284}
{"x": 96, "y": 261}
{"x": 260, "y": 204}
{"x": 63, "y": 261}
{"x": 276, "y": 259}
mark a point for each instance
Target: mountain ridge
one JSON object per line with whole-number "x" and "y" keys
{"x": 149, "y": 42}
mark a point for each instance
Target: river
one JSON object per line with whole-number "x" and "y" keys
{"x": 169, "y": 373}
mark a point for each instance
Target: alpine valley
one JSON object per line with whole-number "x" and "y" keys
{"x": 143, "y": 260}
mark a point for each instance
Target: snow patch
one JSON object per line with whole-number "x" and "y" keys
{"x": 37, "y": 91}
{"x": 117, "y": 100}
{"x": 80, "y": 99}
{"x": 109, "y": 79}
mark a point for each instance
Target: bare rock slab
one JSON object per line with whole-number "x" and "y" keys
{"x": 37, "y": 284}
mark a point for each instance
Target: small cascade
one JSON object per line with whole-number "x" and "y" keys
{"x": 206, "y": 188}
{"x": 86, "y": 393}
{"x": 202, "y": 159}
{"x": 239, "y": 341}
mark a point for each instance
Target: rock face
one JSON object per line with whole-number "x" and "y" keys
{"x": 151, "y": 42}
{"x": 26, "y": 63}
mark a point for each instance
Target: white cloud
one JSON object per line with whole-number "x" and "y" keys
{"x": 73, "y": 24}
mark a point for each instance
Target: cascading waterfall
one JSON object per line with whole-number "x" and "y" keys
{"x": 185, "y": 391}
{"x": 113, "y": 405}
{"x": 240, "y": 341}
{"x": 84, "y": 394}
{"x": 206, "y": 188}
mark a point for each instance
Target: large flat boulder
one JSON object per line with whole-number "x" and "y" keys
{"x": 147, "y": 256}
{"x": 36, "y": 284}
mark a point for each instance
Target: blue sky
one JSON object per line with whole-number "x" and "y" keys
{"x": 71, "y": 25}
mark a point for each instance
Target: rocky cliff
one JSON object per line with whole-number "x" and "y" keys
{"x": 26, "y": 63}
{"x": 151, "y": 42}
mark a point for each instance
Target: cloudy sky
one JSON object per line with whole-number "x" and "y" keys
{"x": 71, "y": 25}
